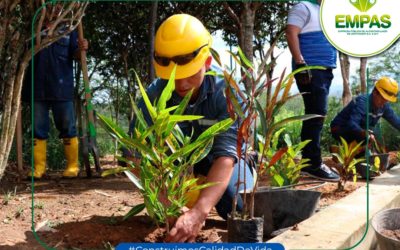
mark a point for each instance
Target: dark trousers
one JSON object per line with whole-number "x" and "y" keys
{"x": 315, "y": 99}
{"x": 224, "y": 206}
{"x": 63, "y": 114}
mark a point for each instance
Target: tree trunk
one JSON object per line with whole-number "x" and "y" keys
{"x": 247, "y": 17}
{"x": 152, "y": 28}
{"x": 11, "y": 103}
{"x": 131, "y": 90}
{"x": 245, "y": 24}
{"x": 363, "y": 74}
{"x": 345, "y": 69}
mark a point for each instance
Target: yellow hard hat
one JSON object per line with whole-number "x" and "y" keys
{"x": 388, "y": 88}
{"x": 183, "y": 40}
{"x": 193, "y": 195}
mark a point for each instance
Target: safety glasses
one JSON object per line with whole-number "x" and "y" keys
{"x": 390, "y": 93}
{"x": 180, "y": 60}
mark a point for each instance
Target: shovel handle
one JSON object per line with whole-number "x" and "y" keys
{"x": 88, "y": 95}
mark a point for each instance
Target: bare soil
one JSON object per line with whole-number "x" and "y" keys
{"x": 394, "y": 234}
{"x": 87, "y": 213}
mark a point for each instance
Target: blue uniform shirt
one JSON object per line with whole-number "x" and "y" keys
{"x": 353, "y": 117}
{"x": 53, "y": 76}
{"x": 211, "y": 104}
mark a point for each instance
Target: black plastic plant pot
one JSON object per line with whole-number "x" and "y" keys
{"x": 361, "y": 169}
{"x": 283, "y": 208}
{"x": 245, "y": 230}
{"x": 385, "y": 223}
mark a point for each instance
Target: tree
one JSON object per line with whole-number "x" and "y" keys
{"x": 363, "y": 74}
{"x": 345, "y": 69}
{"x": 15, "y": 29}
{"x": 120, "y": 43}
{"x": 152, "y": 31}
{"x": 386, "y": 64}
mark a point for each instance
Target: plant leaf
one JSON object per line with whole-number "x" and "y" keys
{"x": 134, "y": 211}
{"x": 145, "y": 97}
{"x": 278, "y": 180}
{"x": 111, "y": 127}
{"x": 134, "y": 179}
{"x": 277, "y": 156}
{"x": 111, "y": 171}
{"x": 216, "y": 128}
{"x": 244, "y": 59}
{"x": 167, "y": 92}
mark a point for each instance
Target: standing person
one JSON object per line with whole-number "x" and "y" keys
{"x": 309, "y": 46}
{"x": 54, "y": 90}
{"x": 182, "y": 40}
{"x": 351, "y": 122}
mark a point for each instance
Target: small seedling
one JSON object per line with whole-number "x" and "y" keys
{"x": 39, "y": 205}
{"x": 10, "y": 195}
{"x": 19, "y": 212}
{"x": 167, "y": 156}
{"x": 347, "y": 161}
{"x": 108, "y": 246}
{"x": 286, "y": 170}
{"x": 257, "y": 104}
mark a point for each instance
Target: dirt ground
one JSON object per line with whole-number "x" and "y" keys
{"x": 87, "y": 213}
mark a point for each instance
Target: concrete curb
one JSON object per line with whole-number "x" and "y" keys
{"x": 343, "y": 224}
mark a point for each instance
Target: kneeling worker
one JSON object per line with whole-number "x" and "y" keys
{"x": 351, "y": 122}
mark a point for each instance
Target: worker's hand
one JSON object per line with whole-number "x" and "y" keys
{"x": 371, "y": 137}
{"x": 303, "y": 77}
{"x": 187, "y": 227}
{"x": 83, "y": 44}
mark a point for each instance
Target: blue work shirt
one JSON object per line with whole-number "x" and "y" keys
{"x": 211, "y": 103}
{"x": 53, "y": 76}
{"x": 353, "y": 117}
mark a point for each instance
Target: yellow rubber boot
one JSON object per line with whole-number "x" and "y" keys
{"x": 39, "y": 157}
{"x": 71, "y": 154}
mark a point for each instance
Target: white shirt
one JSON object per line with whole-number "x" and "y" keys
{"x": 305, "y": 15}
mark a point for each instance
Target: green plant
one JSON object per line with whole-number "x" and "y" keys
{"x": 251, "y": 111}
{"x": 286, "y": 171}
{"x": 9, "y": 195}
{"x": 19, "y": 212}
{"x": 346, "y": 157}
{"x": 108, "y": 246}
{"x": 39, "y": 205}
{"x": 167, "y": 155}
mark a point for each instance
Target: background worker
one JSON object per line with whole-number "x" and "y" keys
{"x": 309, "y": 46}
{"x": 54, "y": 90}
{"x": 351, "y": 122}
{"x": 182, "y": 40}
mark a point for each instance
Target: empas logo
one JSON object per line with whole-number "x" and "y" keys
{"x": 363, "y": 5}
{"x": 361, "y": 21}
{"x": 360, "y": 28}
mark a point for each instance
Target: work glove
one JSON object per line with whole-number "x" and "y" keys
{"x": 303, "y": 77}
